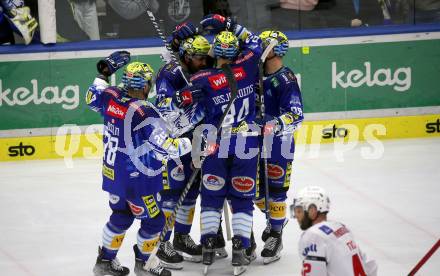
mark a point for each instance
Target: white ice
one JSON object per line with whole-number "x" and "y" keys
{"x": 52, "y": 216}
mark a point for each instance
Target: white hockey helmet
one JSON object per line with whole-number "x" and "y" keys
{"x": 312, "y": 195}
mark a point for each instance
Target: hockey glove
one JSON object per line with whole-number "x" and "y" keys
{"x": 113, "y": 62}
{"x": 187, "y": 96}
{"x": 207, "y": 149}
{"x": 182, "y": 32}
{"x": 215, "y": 23}
{"x": 272, "y": 127}
{"x": 177, "y": 147}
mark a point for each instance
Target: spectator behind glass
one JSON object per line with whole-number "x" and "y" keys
{"x": 300, "y": 5}
{"x": 216, "y": 7}
{"x": 67, "y": 27}
{"x": 254, "y": 14}
{"x": 305, "y": 14}
{"x": 84, "y": 13}
{"x": 129, "y": 9}
{"x": 427, "y": 11}
{"x": 128, "y": 18}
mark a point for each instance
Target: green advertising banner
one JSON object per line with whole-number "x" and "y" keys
{"x": 50, "y": 93}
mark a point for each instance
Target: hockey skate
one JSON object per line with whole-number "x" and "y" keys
{"x": 208, "y": 253}
{"x": 141, "y": 270}
{"x": 108, "y": 267}
{"x": 220, "y": 251}
{"x": 185, "y": 246}
{"x": 272, "y": 247}
{"x": 266, "y": 233}
{"x": 169, "y": 257}
{"x": 251, "y": 250}
{"x": 240, "y": 260}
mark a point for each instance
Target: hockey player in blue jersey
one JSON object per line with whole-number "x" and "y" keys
{"x": 228, "y": 173}
{"x": 283, "y": 112}
{"x": 136, "y": 143}
{"x": 192, "y": 51}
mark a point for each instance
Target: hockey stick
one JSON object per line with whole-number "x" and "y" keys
{"x": 165, "y": 42}
{"x": 425, "y": 258}
{"x": 170, "y": 221}
{"x": 261, "y": 115}
{"x": 260, "y": 70}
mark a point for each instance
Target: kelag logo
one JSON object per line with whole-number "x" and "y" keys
{"x": 334, "y": 132}
{"x": 21, "y": 150}
{"x": 433, "y": 127}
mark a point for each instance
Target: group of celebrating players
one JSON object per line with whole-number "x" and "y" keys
{"x": 246, "y": 154}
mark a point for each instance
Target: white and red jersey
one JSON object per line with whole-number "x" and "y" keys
{"x": 329, "y": 249}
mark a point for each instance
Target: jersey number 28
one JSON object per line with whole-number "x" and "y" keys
{"x": 110, "y": 148}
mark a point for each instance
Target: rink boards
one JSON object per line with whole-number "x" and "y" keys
{"x": 72, "y": 141}
{"x": 367, "y": 87}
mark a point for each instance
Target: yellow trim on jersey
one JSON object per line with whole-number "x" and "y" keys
{"x": 108, "y": 172}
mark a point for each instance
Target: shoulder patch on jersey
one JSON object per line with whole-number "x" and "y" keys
{"x": 327, "y": 230}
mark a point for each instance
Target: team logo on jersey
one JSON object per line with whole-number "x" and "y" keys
{"x": 213, "y": 182}
{"x": 243, "y": 184}
{"x": 136, "y": 210}
{"x": 116, "y": 110}
{"x": 219, "y": 81}
{"x": 178, "y": 173}
{"x": 274, "y": 171}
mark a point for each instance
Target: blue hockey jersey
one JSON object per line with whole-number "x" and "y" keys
{"x": 282, "y": 99}
{"x": 169, "y": 79}
{"x": 136, "y": 141}
{"x": 218, "y": 94}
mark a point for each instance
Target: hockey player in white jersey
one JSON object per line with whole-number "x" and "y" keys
{"x": 327, "y": 248}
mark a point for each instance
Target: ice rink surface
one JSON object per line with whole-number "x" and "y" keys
{"x": 52, "y": 216}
